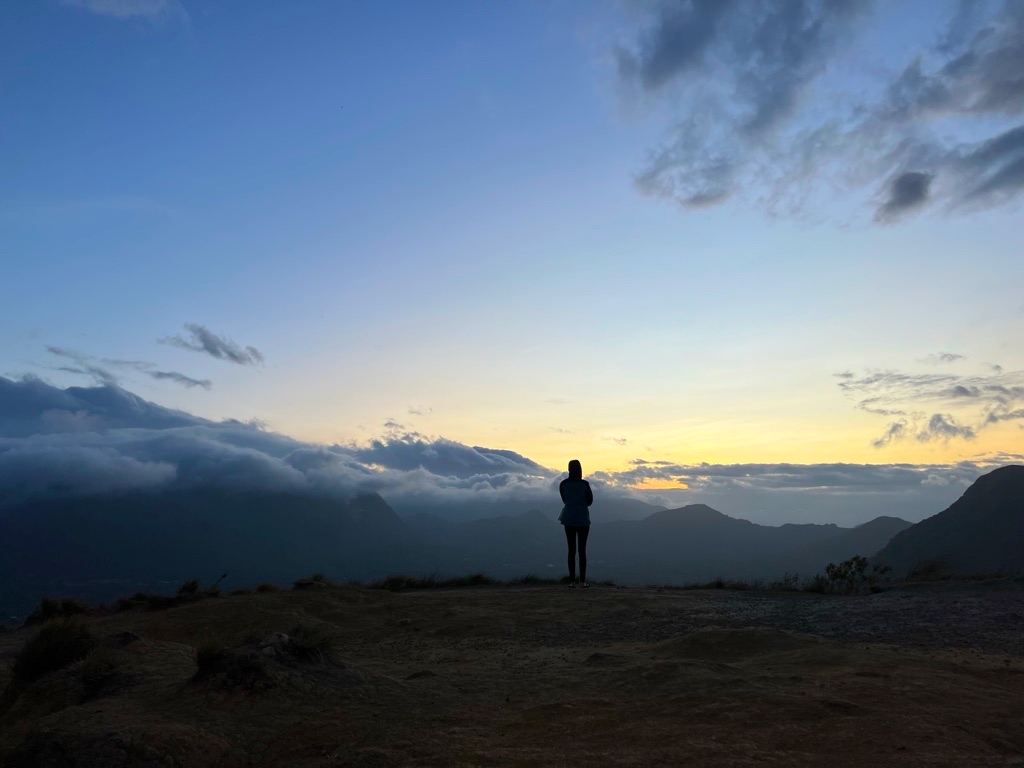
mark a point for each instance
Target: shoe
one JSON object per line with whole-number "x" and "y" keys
{"x": 585, "y": 585}
{"x": 572, "y": 585}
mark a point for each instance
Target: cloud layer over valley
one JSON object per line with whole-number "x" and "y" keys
{"x": 104, "y": 439}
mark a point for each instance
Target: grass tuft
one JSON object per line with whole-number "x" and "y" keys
{"x": 267, "y": 587}
{"x": 58, "y": 643}
{"x": 313, "y": 642}
{"x": 51, "y": 608}
{"x": 99, "y": 668}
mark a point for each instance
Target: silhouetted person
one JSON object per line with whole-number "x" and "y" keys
{"x": 576, "y": 498}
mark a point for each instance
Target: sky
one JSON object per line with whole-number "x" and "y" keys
{"x": 648, "y": 235}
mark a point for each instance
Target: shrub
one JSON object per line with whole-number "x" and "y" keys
{"x": 58, "y": 643}
{"x": 850, "y": 577}
{"x": 189, "y": 588}
{"x": 312, "y": 643}
{"x": 50, "y": 608}
{"x": 318, "y": 577}
{"x": 267, "y": 587}
{"x": 208, "y": 654}
{"x": 818, "y": 583}
{"x": 929, "y": 570}
{"x": 101, "y": 667}
{"x": 790, "y": 582}
{"x": 237, "y": 592}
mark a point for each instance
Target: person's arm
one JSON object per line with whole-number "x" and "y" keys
{"x": 561, "y": 491}
{"x": 590, "y": 494}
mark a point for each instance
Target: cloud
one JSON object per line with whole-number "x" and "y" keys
{"x": 944, "y": 427}
{"x": 153, "y": 10}
{"x": 793, "y": 477}
{"x": 617, "y": 440}
{"x": 420, "y": 410}
{"x": 82, "y": 365}
{"x": 893, "y": 433}
{"x": 82, "y": 440}
{"x": 86, "y": 365}
{"x": 781, "y": 100}
{"x": 907, "y": 192}
{"x": 201, "y": 339}
{"x": 984, "y": 400}
{"x": 180, "y": 378}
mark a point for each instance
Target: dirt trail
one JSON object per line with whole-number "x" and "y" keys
{"x": 538, "y": 676}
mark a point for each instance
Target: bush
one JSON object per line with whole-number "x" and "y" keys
{"x": 189, "y": 588}
{"x": 312, "y": 643}
{"x": 50, "y": 608}
{"x": 929, "y": 570}
{"x": 267, "y": 587}
{"x": 208, "y": 654}
{"x": 101, "y": 667}
{"x": 58, "y": 643}
{"x": 850, "y": 577}
{"x": 237, "y": 592}
{"x": 818, "y": 583}
{"x": 790, "y": 582}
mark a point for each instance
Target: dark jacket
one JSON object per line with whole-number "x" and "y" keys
{"x": 576, "y": 496}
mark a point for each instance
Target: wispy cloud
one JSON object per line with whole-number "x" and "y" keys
{"x": 201, "y": 339}
{"x": 419, "y": 410}
{"x": 617, "y": 440}
{"x": 923, "y": 402}
{"x": 101, "y": 373}
{"x": 153, "y": 10}
{"x": 762, "y": 117}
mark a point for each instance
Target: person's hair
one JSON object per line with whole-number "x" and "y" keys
{"x": 575, "y": 470}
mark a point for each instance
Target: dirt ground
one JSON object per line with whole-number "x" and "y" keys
{"x": 550, "y": 676}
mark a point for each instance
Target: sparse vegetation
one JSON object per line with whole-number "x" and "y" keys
{"x": 208, "y": 653}
{"x": 189, "y": 588}
{"x": 58, "y": 643}
{"x": 237, "y": 592}
{"x": 50, "y": 608}
{"x": 312, "y": 643}
{"x": 316, "y": 581}
{"x": 100, "y": 668}
{"x": 267, "y": 587}
{"x": 399, "y": 582}
{"x": 929, "y": 570}
{"x": 850, "y": 577}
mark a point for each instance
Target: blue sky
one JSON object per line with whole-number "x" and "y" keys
{"x": 490, "y": 221}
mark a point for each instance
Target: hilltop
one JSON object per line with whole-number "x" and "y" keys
{"x": 981, "y": 532}
{"x": 538, "y": 676}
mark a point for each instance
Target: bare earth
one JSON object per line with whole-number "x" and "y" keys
{"x": 538, "y": 676}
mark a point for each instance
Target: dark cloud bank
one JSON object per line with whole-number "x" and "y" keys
{"x": 750, "y": 81}
{"x": 103, "y": 439}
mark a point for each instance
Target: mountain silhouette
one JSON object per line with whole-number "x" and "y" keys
{"x": 981, "y": 532}
{"x": 101, "y": 547}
